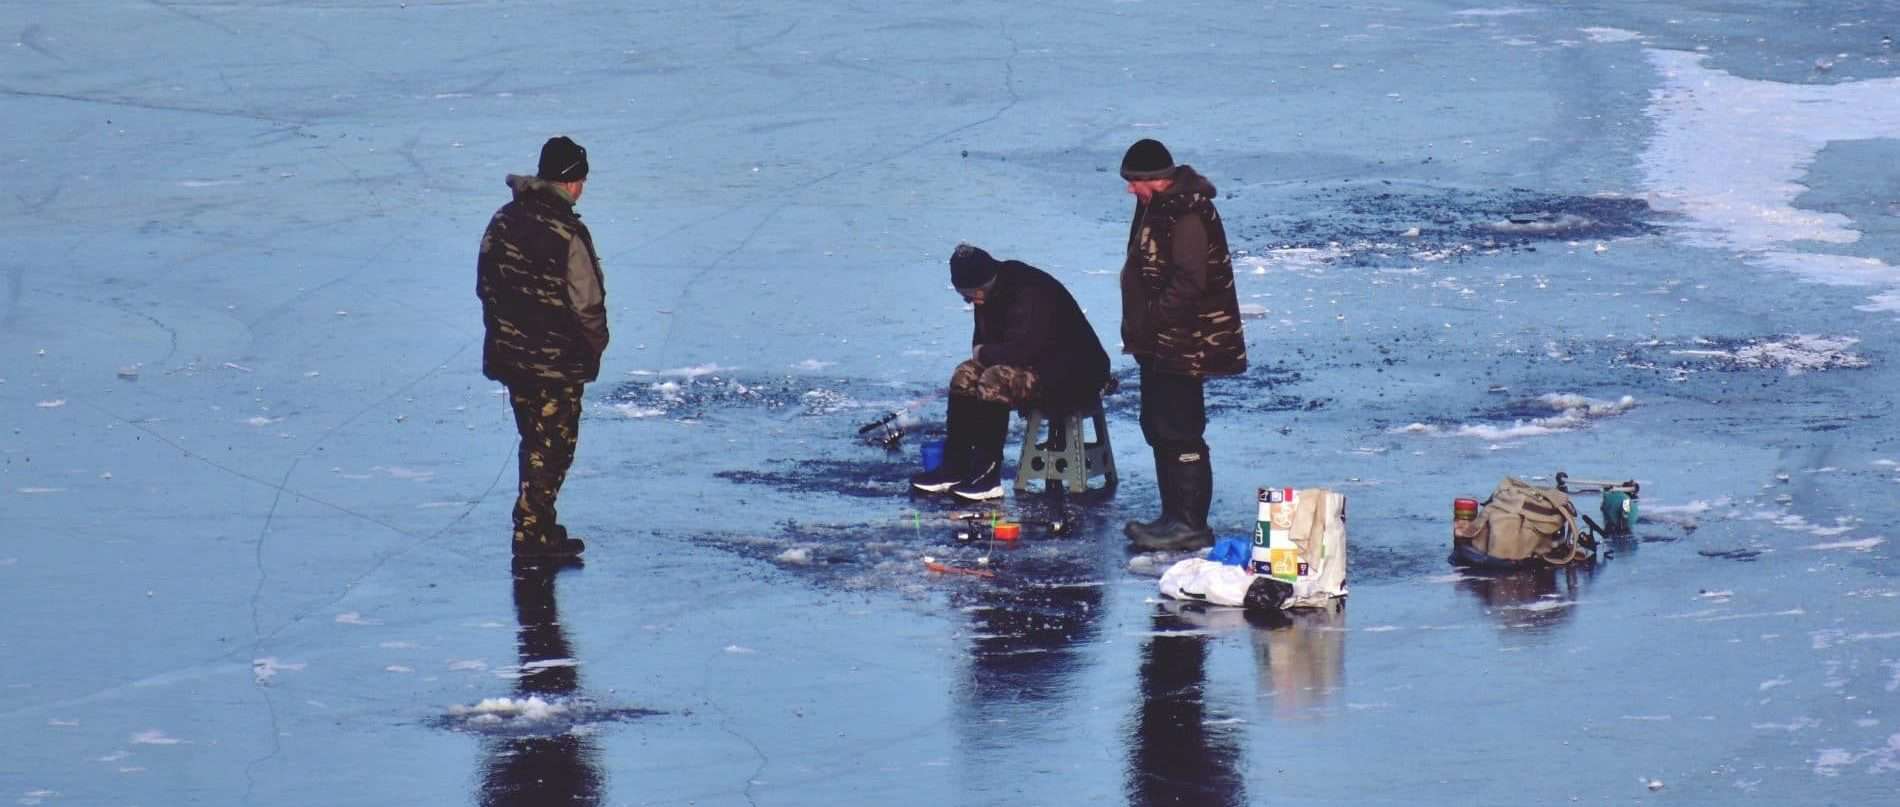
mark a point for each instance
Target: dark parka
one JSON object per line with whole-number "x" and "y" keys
{"x": 1178, "y": 305}
{"x": 1029, "y": 320}
{"x": 540, "y": 284}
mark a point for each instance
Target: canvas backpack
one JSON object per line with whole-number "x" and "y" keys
{"x": 1523, "y": 522}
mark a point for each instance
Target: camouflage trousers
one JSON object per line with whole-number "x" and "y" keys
{"x": 1014, "y": 387}
{"x": 549, "y": 421}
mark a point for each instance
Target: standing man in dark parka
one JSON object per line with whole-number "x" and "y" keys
{"x": 545, "y": 316}
{"x": 1181, "y": 321}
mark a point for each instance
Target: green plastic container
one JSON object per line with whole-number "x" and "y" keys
{"x": 1619, "y": 512}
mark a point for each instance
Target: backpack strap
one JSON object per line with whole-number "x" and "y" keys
{"x": 1569, "y": 547}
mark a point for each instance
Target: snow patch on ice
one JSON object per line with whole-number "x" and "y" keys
{"x": 814, "y": 365}
{"x": 1772, "y": 683}
{"x": 532, "y": 708}
{"x": 1861, "y": 545}
{"x": 1542, "y": 605}
{"x": 1830, "y": 761}
{"x": 1609, "y": 35}
{"x": 1305, "y": 260}
{"x": 354, "y": 618}
{"x": 38, "y": 491}
{"x": 688, "y": 373}
{"x": 1824, "y": 639}
{"x": 1705, "y": 116}
{"x": 796, "y": 556}
{"x": 637, "y": 412}
{"x": 739, "y": 651}
{"x": 53, "y": 404}
{"x": 1793, "y": 354}
{"x": 154, "y": 737}
{"x": 399, "y": 472}
{"x": 264, "y": 669}
{"x": 1493, "y": 12}
{"x": 1572, "y": 412}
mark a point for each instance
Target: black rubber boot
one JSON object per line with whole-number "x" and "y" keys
{"x": 555, "y": 545}
{"x": 1139, "y": 530}
{"x": 989, "y": 430}
{"x": 1184, "y": 525}
{"x": 956, "y": 449}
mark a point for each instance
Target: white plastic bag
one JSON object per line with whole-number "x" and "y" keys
{"x": 1207, "y": 581}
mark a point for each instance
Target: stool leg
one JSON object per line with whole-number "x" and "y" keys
{"x": 1032, "y": 428}
{"x": 1075, "y": 453}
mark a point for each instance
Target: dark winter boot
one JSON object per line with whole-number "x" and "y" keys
{"x": 1137, "y": 530}
{"x": 989, "y": 429}
{"x": 956, "y": 450}
{"x": 551, "y": 545}
{"x": 1184, "y": 525}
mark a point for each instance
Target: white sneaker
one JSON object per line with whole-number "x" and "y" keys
{"x": 982, "y": 487}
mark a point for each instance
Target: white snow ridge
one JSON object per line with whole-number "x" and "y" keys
{"x": 495, "y": 710}
{"x": 1572, "y": 412}
{"x": 1796, "y": 354}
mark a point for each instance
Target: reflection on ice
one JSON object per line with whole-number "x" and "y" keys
{"x": 1300, "y": 658}
{"x": 1533, "y": 601}
{"x": 1176, "y": 754}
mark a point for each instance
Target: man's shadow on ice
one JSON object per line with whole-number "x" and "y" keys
{"x": 532, "y": 771}
{"x": 1176, "y": 754}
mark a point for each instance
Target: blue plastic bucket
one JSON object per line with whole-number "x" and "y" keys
{"x": 932, "y": 455}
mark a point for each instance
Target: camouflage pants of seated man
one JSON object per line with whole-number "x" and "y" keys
{"x": 549, "y": 421}
{"x": 1015, "y": 387}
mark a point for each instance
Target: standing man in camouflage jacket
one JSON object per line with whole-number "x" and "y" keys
{"x": 544, "y": 311}
{"x": 1181, "y": 321}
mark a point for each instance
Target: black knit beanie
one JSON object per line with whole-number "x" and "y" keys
{"x": 971, "y": 268}
{"x": 1147, "y": 159}
{"x": 562, "y": 160}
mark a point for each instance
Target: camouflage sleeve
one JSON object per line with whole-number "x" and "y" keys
{"x": 481, "y": 261}
{"x": 586, "y": 296}
{"x": 1179, "y": 302}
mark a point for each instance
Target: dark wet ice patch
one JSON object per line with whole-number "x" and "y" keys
{"x": 880, "y": 478}
{"x": 1744, "y": 555}
{"x": 1791, "y": 354}
{"x": 1365, "y": 222}
{"x": 696, "y": 393}
{"x": 1267, "y": 386}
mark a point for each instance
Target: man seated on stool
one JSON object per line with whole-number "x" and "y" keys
{"x": 1032, "y": 347}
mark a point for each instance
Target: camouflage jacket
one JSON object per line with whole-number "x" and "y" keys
{"x": 1178, "y": 303}
{"x": 539, "y": 280}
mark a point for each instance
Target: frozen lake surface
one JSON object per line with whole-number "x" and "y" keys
{"x": 254, "y": 491}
